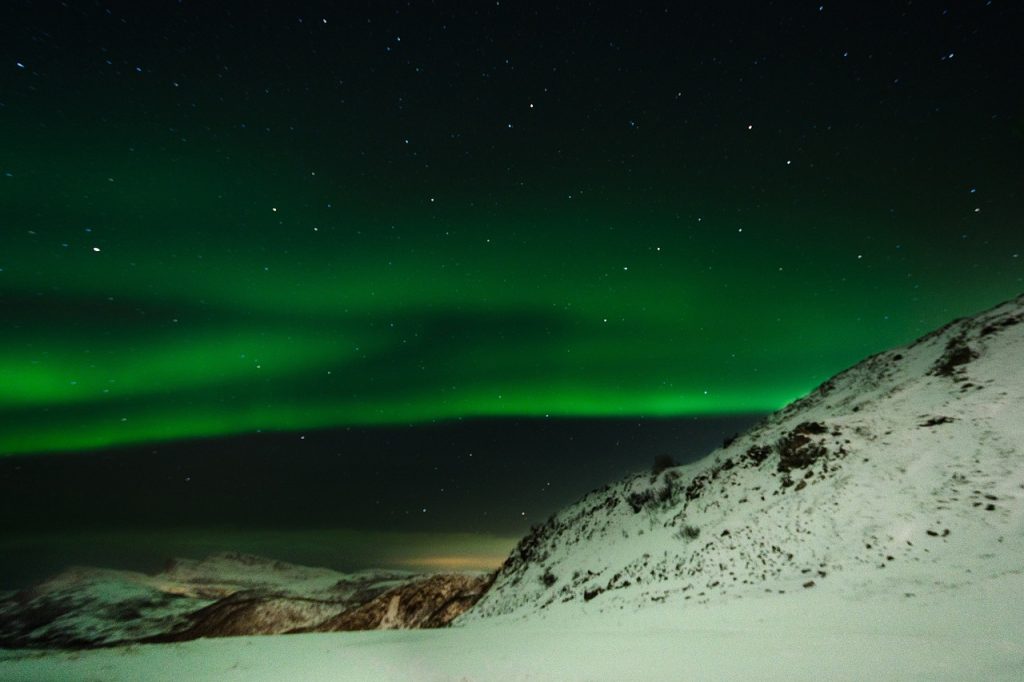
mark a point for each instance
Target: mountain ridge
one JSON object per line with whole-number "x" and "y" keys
{"x": 901, "y": 461}
{"x": 225, "y": 594}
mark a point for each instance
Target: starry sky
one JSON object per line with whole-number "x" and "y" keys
{"x": 450, "y": 495}
{"x": 221, "y": 220}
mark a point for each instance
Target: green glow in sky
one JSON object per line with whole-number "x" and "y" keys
{"x": 310, "y": 318}
{"x": 190, "y": 248}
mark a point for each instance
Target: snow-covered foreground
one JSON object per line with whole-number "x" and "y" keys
{"x": 971, "y": 633}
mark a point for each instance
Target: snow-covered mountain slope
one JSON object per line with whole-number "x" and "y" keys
{"x": 903, "y": 475}
{"x": 254, "y": 572}
{"x": 429, "y": 603}
{"x": 85, "y": 606}
{"x": 225, "y": 594}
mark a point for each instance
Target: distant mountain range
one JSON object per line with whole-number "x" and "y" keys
{"x": 222, "y": 595}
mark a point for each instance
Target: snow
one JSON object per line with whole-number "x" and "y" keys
{"x": 888, "y": 544}
{"x": 809, "y": 635}
{"x": 244, "y": 571}
{"x": 93, "y": 601}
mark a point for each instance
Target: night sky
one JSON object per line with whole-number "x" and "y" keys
{"x": 260, "y": 237}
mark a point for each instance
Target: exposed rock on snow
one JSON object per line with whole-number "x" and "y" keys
{"x": 912, "y": 458}
{"x": 430, "y": 603}
{"x": 223, "y": 595}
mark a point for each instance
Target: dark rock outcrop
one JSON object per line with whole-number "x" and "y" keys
{"x": 433, "y": 602}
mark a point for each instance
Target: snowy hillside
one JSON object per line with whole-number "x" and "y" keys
{"x": 903, "y": 475}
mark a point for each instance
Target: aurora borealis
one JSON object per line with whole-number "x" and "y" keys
{"x": 365, "y": 270}
{"x": 219, "y": 221}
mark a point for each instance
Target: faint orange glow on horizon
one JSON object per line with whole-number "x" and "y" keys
{"x": 459, "y": 562}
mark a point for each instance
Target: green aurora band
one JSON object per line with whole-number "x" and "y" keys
{"x": 236, "y": 254}
{"x": 227, "y": 325}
